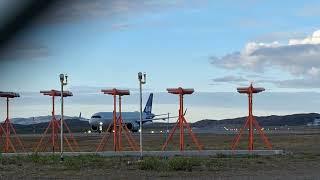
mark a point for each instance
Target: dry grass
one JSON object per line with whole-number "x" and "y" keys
{"x": 297, "y": 143}
{"x": 304, "y": 163}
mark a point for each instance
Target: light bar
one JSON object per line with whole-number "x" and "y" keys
{"x": 56, "y": 93}
{"x": 180, "y": 90}
{"x": 9, "y": 94}
{"x": 115, "y": 91}
{"x": 250, "y": 89}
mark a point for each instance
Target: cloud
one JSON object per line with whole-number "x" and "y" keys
{"x": 89, "y": 90}
{"x": 281, "y": 36}
{"x": 298, "y": 83}
{"x": 230, "y": 79}
{"x": 299, "y": 57}
{"x": 313, "y": 39}
{"x": 121, "y": 26}
{"x": 310, "y": 10}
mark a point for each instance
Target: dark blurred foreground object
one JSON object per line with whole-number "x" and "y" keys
{"x": 18, "y": 15}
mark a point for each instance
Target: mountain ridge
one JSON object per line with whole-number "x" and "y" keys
{"x": 272, "y": 120}
{"x": 77, "y": 124}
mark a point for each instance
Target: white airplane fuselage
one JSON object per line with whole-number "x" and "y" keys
{"x": 130, "y": 119}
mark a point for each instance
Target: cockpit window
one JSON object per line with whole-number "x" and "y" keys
{"x": 96, "y": 117}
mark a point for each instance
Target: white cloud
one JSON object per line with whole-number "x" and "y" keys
{"x": 299, "y": 57}
{"x": 313, "y": 39}
{"x": 314, "y": 71}
{"x": 281, "y": 36}
{"x": 230, "y": 79}
{"x": 309, "y": 10}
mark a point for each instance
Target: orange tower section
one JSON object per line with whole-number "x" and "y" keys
{"x": 251, "y": 122}
{"x": 117, "y": 126}
{"x": 7, "y": 127}
{"x": 54, "y": 126}
{"x": 181, "y": 122}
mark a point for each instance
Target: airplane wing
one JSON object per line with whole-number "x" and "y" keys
{"x": 155, "y": 119}
{"x": 162, "y": 118}
{"x": 160, "y": 115}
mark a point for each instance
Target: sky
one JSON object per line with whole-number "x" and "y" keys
{"x": 211, "y": 46}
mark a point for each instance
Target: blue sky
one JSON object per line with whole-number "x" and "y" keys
{"x": 212, "y": 46}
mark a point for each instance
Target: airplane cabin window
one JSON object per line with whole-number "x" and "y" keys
{"x": 96, "y": 117}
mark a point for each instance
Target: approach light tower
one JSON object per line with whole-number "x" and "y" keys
{"x": 54, "y": 126}
{"x": 251, "y": 121}
{"x": 118, "y": 126}
{"x": 7, "y": 127}
{"x": 181, "y": 122}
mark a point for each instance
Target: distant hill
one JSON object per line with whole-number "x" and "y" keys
{"x": 74, "y": 123}
{"x": 40, "y": 123}
{"x": 273, "y": 120}
{"x": 38, "y": 119}
{"x": 81, "y": 125}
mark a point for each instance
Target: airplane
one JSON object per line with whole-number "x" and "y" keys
{"x": 130, "y": 119}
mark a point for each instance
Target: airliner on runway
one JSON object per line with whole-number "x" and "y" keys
{"x": 131, "y": 119}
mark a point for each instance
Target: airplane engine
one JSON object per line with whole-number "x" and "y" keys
{"x": 94, "y": 128}
{"x": 132, "y": 127}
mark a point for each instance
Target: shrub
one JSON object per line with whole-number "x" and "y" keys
{"x": 35, "y": 158}
{"x": 152, "y": 163}
{"x": 183, "y": 163}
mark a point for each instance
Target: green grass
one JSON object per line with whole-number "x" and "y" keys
{"x": 304, "y": 157}
{"x": 53, "y": 161}
{"x": 153, "y": 164}
{"x": 217, "y": 163}
{"x": 36, "y": 165}
{"x": 171, "y": 164}
{"x": 184, "y": 163}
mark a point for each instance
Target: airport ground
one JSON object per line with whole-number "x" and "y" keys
{"x": 302, "y": 160}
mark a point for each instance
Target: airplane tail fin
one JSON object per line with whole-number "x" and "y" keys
{"x": 148, "y": 107}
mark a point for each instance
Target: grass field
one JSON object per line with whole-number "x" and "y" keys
{"x": 302, "y": 162}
